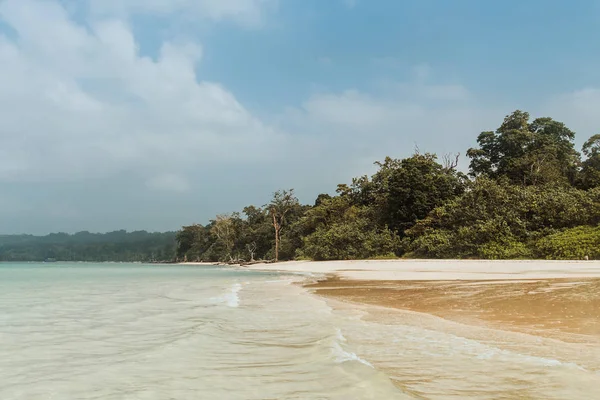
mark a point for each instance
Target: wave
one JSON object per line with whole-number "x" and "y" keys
{"x": 341, "y": 355}
{"x": 436, "y": 345}
{"x": 231, "y": 298}
{"x": 493, "y": 352}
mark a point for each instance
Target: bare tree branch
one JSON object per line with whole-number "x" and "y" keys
{"x": 450, "y": 161}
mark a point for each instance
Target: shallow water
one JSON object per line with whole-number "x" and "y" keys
{"x": 123, "y": 331}
{"x": 85, "y": 331}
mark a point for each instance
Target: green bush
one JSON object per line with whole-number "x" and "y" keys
{"x": 433, "y": 244}
{"x": 348, "y": 240}
{"x": 500, "y": 221}
{"x": 505, "y": 249}
{"x": 388, "y": 256}
{"x": 571, "y": 244}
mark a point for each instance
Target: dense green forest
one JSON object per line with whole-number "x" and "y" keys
{"x": 86, "y": 246}
{"x": 528, "y": 194}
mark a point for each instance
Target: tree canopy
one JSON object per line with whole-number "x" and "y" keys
{"x": 86, "y": 246}
{"x": 526, "y": 153}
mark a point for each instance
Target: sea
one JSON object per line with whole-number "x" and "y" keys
{"x": 134, "y": 331}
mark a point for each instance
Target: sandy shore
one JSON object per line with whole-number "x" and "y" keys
{"x": 404, "y": 270}
{"x": 547, "y": 298}
{"x": 560, "y": 299}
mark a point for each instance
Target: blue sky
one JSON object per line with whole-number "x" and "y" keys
{"x": 149, "y": 114}
{"x": 513, "y": 49}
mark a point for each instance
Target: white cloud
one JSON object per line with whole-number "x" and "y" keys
{"x": 439, "y": 118}
{"x": 79, "y": 102}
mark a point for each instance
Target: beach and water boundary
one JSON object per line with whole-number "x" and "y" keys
{"x": 538, "y": 311}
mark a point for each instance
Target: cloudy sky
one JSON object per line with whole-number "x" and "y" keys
{"x": 150, "y": 114}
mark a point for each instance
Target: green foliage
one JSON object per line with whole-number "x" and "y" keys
{"x": 241, "y": 237}
{"x": 505, "y": 248}
{"x": 526, "y": 153}
{"x": 571, "y": 244}
{"x": 86, "y": 246}
{"x": 338, "y": 229}
{"x": 191, "y": 242}
{"x": 404, "y": 191}
{"x": 256, "y": 234}
{"x": 354, "y": 238}
{"x": 283, "y": 203}
{"x": 407, "y": 190}
{"x": 590, "y": 171}
{"x": 499, "y": 220}
{"x": 388, "y": 256}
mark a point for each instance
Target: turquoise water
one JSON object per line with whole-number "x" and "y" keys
{"x": 132, "y": 331}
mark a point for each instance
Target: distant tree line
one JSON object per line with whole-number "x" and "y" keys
{"x": 85, "y": 246}
{"x": 528, "y": 194}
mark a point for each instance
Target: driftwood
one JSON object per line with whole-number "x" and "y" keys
{"x": 243, "y": 263}
{"x": 247, "y": 264}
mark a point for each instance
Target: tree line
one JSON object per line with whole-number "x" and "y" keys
{"x": 85, "y": 246}
{"x": 528, "y": 193}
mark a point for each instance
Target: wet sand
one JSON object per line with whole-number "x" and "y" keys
{"x": 565, "y": 309}
{"x": 490, "y": 339}
{"x": 429, "y": 357}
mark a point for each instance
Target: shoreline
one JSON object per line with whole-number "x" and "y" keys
{"x": 544, "y": 298}
{"x": 432, "y": 270}
{"x": 545, "y": 312}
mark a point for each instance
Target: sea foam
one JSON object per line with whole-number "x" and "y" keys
{"x": 231, "y": 298}
{"x": 342, "y": 355}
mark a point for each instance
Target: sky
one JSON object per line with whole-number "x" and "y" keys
{"x": 152, "y": 114}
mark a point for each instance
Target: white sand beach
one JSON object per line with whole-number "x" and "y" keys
{"x": 441, "y": 269}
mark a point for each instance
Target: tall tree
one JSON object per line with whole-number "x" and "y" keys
{"x": 590, "y": 172}
{"x": 224, "y": 230}
{"x": 256, "y": 235}
{"x": 186, "y": 238}
{"x": 405, "y": 191}
{"x": 282, "y": 203}
{"x": 526, "y": 153}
